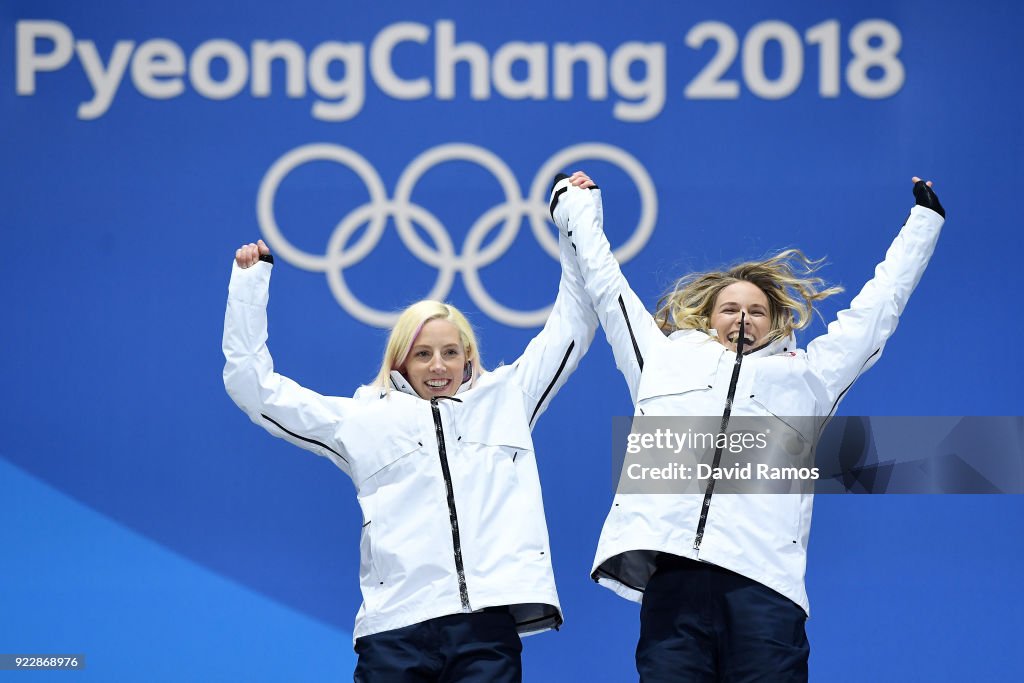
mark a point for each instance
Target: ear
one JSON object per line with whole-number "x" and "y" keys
{"x": 467, "y": 371}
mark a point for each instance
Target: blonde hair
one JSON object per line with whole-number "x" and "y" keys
{"x": 785, "y": 278}
{"x": 407, "y": 328}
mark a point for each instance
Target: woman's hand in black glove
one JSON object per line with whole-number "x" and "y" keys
{"x": 924, "y": 196}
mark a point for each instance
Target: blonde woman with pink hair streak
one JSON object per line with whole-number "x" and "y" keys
{"x": 454, "y": 557}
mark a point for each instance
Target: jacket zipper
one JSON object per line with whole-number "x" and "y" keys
{"x": 452, "y": 514}
{"x": 706, "y": 506}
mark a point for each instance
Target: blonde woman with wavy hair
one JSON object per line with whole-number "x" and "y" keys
{"x": 786, "y": 279}
{"x": 719, "y": 572}
{"x": 454, "y": 561}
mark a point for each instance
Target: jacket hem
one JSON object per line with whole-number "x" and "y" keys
{"x": 636, "y": 593}
{"x": 551, "y": 618}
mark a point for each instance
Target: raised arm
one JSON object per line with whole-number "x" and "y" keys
{"x": 855, "y": 340}
{"x": 275, "y": 403}
{"x": 629, "y": 327}
{"x": 554, "y": 353}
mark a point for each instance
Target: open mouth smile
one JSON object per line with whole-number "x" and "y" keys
{"x": 735, "y": 336}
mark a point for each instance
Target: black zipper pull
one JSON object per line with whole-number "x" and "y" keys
{"x": 743, "y": 336}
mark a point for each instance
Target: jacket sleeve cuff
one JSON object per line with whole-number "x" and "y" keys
{"x": 250, "y": 285}
{"x": 925, "y": 215}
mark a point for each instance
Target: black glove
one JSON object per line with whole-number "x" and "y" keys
{"x": 925, "y": 196}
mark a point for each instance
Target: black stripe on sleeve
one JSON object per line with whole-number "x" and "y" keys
{"x": 302, "y": 438}
{"x": 636, "y": 347}
{"x": 554, "y": 200}
{"x": 843, "y": 392}
{"x": 565, "y": 359}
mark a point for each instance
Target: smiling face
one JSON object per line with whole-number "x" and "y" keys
{"x": 436, "y": 360}
{"x": 747, "y": 299}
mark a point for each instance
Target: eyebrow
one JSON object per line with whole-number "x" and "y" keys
{"x": 733, "y": 303}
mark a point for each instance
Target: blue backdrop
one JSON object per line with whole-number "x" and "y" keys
{"x": 392, "y": 152}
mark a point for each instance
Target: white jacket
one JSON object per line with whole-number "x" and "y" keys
{"x": 453, "y": 519}
{"x": 761, "y": 536}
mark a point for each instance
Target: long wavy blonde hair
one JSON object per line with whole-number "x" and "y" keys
{"x": 408, "y": 327}
{"x": 787, "y": 279}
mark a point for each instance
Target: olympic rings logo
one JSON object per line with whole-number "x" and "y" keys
{"x": 509, "y": 215}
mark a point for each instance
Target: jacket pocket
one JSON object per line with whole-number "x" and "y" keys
{"x": 493, "y": 448}
{"x": 375, "y": 460}
{"x": 655, "y": 387}
{"x": 502, "y": 431}
{"x": 681, "y": 369}
{"x": 799, "y": 431}
{"x": 790, "y": 448}
{"x": 370, "y": 576}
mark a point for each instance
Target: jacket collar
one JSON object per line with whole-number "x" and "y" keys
{"x": 773, "y": 348}
{"x": 400, "y": 383}
{"x": 770, "y": 349}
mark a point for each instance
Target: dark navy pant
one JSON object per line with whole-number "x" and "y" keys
{"x": 699, "y": 622}
{"x": 480, "y": 647}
